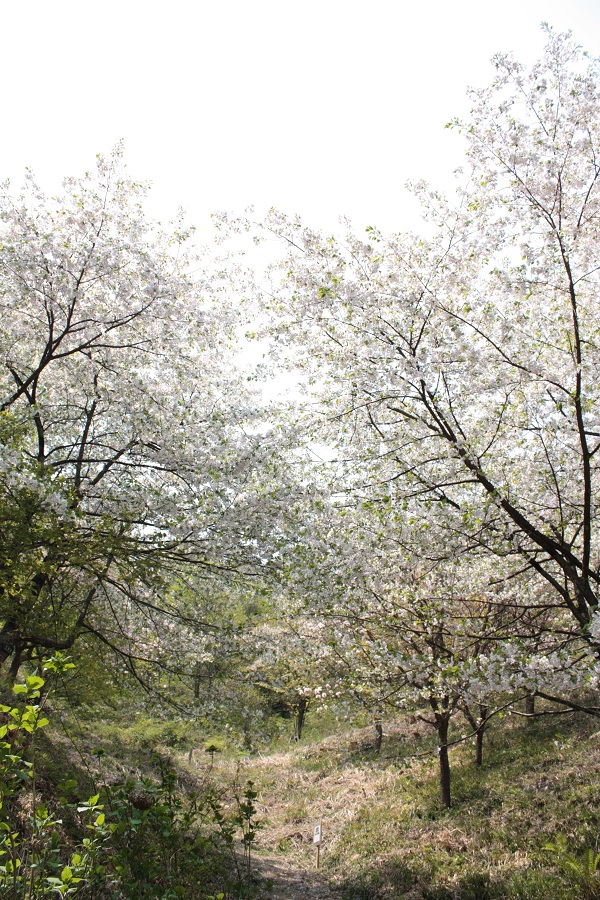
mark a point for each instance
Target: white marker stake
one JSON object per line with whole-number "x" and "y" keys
{"x": 317, "y": 841}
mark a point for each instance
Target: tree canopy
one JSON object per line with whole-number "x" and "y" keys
{"x": 127, "y": 432}
{"x": 456, "y": 372}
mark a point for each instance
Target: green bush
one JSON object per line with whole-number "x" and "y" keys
{"x": 144, "y": 839}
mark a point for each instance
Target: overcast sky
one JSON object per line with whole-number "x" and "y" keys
{"x": 323, "y": 108}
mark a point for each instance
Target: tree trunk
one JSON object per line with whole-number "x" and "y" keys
{"x": 247, "y": 737}
{"x": 197, "y": 673}
{"x": 9, "y": 641}
{"x": 479, "y": 734}
{"x": 16, "y": 662}
{"x": 378, "y": 737}
{"x": 441, "y": 723}
{"x": 300, "y": 717}
{"x": 530, "y": 705}
{"x": 478, "y": 726}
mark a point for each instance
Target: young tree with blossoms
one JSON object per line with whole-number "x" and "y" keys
{"x": 284, "y": 662}
{"x": 405, "y": 634}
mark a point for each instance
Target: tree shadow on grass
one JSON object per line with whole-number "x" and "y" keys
{"x": 396, "y": 879}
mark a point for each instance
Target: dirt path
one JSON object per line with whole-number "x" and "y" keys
{"x": 295, "y": 884}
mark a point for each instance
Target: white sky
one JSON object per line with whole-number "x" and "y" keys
{"x": 323, "y": 108}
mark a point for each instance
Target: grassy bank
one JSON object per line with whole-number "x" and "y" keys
{"x": 524, "y": 825}
{"x": 385, "y": 835}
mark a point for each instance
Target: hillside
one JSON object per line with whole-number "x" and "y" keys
{"x": 121, "y": 812}
{"x": 385, "y": 836}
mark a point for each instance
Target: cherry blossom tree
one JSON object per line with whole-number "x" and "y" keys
{"x": 129, "y": 439}
{"x": 456, "y": 373}
{"x": 284, "y": 663}
{"x": 402, "y": 631}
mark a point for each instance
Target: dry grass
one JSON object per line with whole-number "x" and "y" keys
{"x": 384, "y": 834}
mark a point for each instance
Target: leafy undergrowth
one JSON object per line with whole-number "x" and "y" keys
{"x": 525, "y": 825}
{"x": 149, "y": 831}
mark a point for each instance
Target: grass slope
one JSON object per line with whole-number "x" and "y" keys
{"x": 385, "y": 835}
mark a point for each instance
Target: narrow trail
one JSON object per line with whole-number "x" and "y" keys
{"x": 290, "y": 884}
